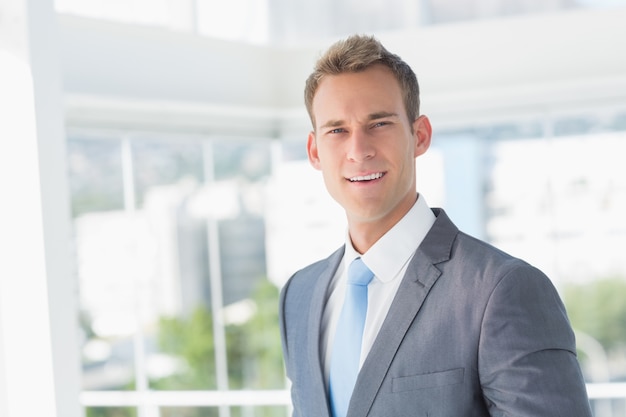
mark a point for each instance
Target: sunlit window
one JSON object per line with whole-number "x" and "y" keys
{"x": 182, "y": 244}
{"x": 170, "y": 245}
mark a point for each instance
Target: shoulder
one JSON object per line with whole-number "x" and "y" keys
{"x": 475, "y": 250}
{"x": 302, "y": 282}
{"x": 506, "y": 283}
{"x": 450, "y": 247}
{"x": 476, "y": 262}
{"x": 495, "y": 268}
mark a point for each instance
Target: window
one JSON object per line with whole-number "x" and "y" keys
{"x": 174, "y": 291}
{"x": 183, "y": 243}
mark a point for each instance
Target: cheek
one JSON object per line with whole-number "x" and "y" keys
{"x": 331, "y": 177}
{"x": 333, "y": 186}
{"x": 329, "y": 158}
{"x": 407, "y": 161}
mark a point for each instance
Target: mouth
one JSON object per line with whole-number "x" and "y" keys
{"x": 368, "y": 177}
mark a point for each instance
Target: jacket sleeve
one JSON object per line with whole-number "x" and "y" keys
{"x": 284, "y": 337}
{"x": 527, "y": 353}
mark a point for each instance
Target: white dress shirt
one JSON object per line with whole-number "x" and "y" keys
{"x": 388, "y": 259}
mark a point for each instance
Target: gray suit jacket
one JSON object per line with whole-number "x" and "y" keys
{"x": 472, "y": 331}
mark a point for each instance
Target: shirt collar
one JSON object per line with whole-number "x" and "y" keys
{"x": 394, "y": 249}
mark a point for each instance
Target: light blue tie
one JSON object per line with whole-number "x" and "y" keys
{"x": 346, "y": 355}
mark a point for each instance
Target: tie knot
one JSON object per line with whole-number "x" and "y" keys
{"x": 359, "y": 273}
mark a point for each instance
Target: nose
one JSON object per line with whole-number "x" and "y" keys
{"x": 360, "y": 147}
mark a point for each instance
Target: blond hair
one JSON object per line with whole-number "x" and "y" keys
{"x": 358, "y": 53}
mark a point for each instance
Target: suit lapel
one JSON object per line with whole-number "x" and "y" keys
{"x": 419, "y": 278}
{"x": 318, "y": 300}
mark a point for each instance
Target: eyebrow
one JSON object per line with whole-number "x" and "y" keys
{"x": 370, "y": 117}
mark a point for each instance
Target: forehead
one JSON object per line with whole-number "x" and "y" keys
{"x": 375, "y": 89}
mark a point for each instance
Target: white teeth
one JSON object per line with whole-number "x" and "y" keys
{"x": 366, "y": 177}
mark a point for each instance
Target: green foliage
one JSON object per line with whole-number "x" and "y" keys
{"x": 191, "y": 339}
{"x": 255, "y": 356}
{"x": 189, "y": 412}
{"x": 253, "y": 348}
{"x": 111, "y": 412}
{"x": 598, "y": 308}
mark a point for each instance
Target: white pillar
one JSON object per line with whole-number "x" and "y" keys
{"x": 39, "y": 361}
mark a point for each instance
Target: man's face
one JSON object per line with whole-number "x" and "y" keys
{"x": 365, "y": 146}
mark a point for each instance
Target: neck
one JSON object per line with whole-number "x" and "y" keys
{"x": 363, "y": 234}
{"x": 363, "y": 238}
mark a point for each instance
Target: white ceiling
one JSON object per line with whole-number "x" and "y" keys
{"x": 478, "y": 69}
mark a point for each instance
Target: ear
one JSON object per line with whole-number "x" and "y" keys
{"x": 311, "y": 149}
{"x": 422, "y": 132}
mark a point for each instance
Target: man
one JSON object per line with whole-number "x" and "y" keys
{"x": 448, "y": 325}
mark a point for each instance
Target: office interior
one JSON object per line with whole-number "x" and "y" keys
{"x": 157, "y": 195}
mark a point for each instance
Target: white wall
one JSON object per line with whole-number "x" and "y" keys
{"x": 39, "y": 367}
{"x": 115, "y": 59}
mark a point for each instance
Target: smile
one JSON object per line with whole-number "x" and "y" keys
{"x": 369, "y": 177}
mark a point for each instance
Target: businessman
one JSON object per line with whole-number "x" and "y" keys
{"x": 411, "y": 317}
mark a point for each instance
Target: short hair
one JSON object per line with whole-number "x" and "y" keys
{"x": 358, "y": 53}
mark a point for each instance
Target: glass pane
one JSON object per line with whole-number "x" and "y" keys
{"x": 158, "y": 163}
{"x": 186, "y": 341}
{"x": 193, "y": 217}
{"x": 576, "y": 125}
{"x": 242, "y": 159}
{"x": 95, "y": 175}
{"x": 294, "y": 150}
{"x": 521, "y": 129}
{"x": 259, "y": 411}
{"x": 568, "y": 193}
{"x": 248, "y": 411}
{"x": 250, "y": 300}
{"x": 190, "y": 412}
{"x": 253, "y": 339}
{"x": 175, "y": 315}
{"x": 148, "y": 311}
{"x": 618, "y": 122}
{"x": 101, "y": 230}
{"x": 110, "y": 412}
